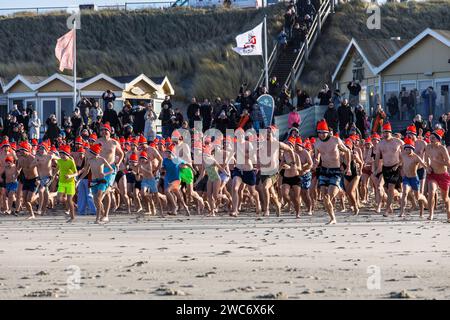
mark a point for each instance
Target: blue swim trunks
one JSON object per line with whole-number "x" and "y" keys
{"x": 305, "y": 181}
{"x": 330, "y": 176}
{"x": 12, "y": 186}
{"x": 98, "y": 185}
{"x": 111, "y": 177}
{"x": 413, "y": 182}
{"x": 150, "y": 185}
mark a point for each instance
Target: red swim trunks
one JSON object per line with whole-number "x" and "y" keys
{"x": 442, "y": 180}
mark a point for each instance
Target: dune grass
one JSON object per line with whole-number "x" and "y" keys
{"x": 191, "y": 46}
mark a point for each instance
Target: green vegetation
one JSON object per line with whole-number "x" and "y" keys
{"x": 191, "y": 46}
{"x": 405, "y": 20}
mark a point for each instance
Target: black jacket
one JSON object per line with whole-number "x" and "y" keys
{"x": 192, "y": 109}
{"x": 324, "y": 97}
{"x": 355, "y": 89}
{"x": 139, "y": 120}
{"x": 332, "y": 118}
{"x": 345, "y": 116}
{"x": 110, "y": 115}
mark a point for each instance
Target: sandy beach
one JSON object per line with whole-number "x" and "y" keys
{"x": 225, "y": 258}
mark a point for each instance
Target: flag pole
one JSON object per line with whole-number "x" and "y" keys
{"x": 266, "y": 68}
{"x": 74, "y": 64}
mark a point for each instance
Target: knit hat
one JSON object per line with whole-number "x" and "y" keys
{"x": 387, "y": 127}
{"x": 133, "y": 157}
{"x": 322, "y": 126}
{"x": 409, "y": 143}
{"x": 65, "y": 148}
{"x": 96, "y": 148}
{"x": 411, "y": 129}
{"x": 143, "y": 155}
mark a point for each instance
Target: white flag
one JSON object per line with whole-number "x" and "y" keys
{"x": 250, "y": 43}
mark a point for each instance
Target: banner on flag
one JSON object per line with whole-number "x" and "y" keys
{"x": 64, "y": 50}
{"x": 267, "y": 107}
{"x": 250, "y": 43}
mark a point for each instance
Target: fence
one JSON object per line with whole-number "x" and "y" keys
{"x": 127, "y": 6}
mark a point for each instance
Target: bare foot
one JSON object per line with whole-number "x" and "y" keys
{"x": 105, "y": 219}
{"x": 70, "y": 220}
{"x": 266, "y": 214}
{"x": 31, "y": 218}
{"x": 430, "y": 218}
{"x": 333, "y": 221}
{"x": 139, "y": 210}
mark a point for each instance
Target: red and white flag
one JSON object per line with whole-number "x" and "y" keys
{"x": 250, "y": 43}
{"x": 64, "y": 50}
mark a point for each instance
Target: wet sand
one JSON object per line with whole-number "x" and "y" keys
{"x": 225, "y": 258}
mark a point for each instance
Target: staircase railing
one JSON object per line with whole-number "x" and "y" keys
{"x": 180, "y": 3}
{"x": 270, "y": 63}
{"x": 321, "y": 16}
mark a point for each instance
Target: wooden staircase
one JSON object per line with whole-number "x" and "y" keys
{"x": 288, "y": 65}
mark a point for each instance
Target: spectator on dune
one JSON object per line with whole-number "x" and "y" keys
{"x": 289, "y": 20}
{"x": 309, "y": 9}
{"x": 293, "y": 118}
{"x": 308, "y": 103}
{"x": 360, "y": 115}
{"x": 429, "y": 100}
{"x": 354, "y": 89}
{"x": 336, "y": 98}
{"x": 232, "y": 114}
{"x": 139, "y": 118}
{"x": 23, "y": 118}
{"x": 108, "y": 97}
{"x": 150, "y": 118}
{"x": 35, "y": 126}
{"x": 11, "y": 121}
{"x": 256, "y": 118}
{"x": 247, "y": 100}
{"x": 378, "y": 119}
{"x": 217, "y": 107}
{"x": 53, "y": 130}
{"x": 298, "y": 37}
{"x": 84, "y": 105}
{"x": 274, "y": 86}
{"x": 77, "y": 121}
{"x": 332, "y": 117}
{"x": 282, "y": 40}
{"x": 110, "y": 115}
{"x": 206, "y": 114}
{"x": 284, "y": 104}
{"x": 191, "y": 110}
{"x": 95, "y": 111}
{"x": 324, "y": 95}
{"x": 221, "y": 122}
{"x": 419, "y": 123}
{"x": 14, "y": 111}
{"x": 392, "y": 105}
{"x": 126, "y": 115}
{"x": 346, "y": 116}
{"x": 165, "y": 117}
{"x": 301, "y": 98}
{"x": 178, "y": 118}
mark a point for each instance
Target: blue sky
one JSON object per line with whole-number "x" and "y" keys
{"x": 57, "y": 3}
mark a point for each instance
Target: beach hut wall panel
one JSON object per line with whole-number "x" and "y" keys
{"x": 56, "y": 86}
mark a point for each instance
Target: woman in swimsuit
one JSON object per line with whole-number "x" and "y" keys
{"x": 290, "y": 185}
{"x": 211, "y": 168}
{"x": 366, "y": 170}
{"x": 351, "y": 181}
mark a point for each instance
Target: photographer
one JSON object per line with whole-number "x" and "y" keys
{"x": 108, "y": 96}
